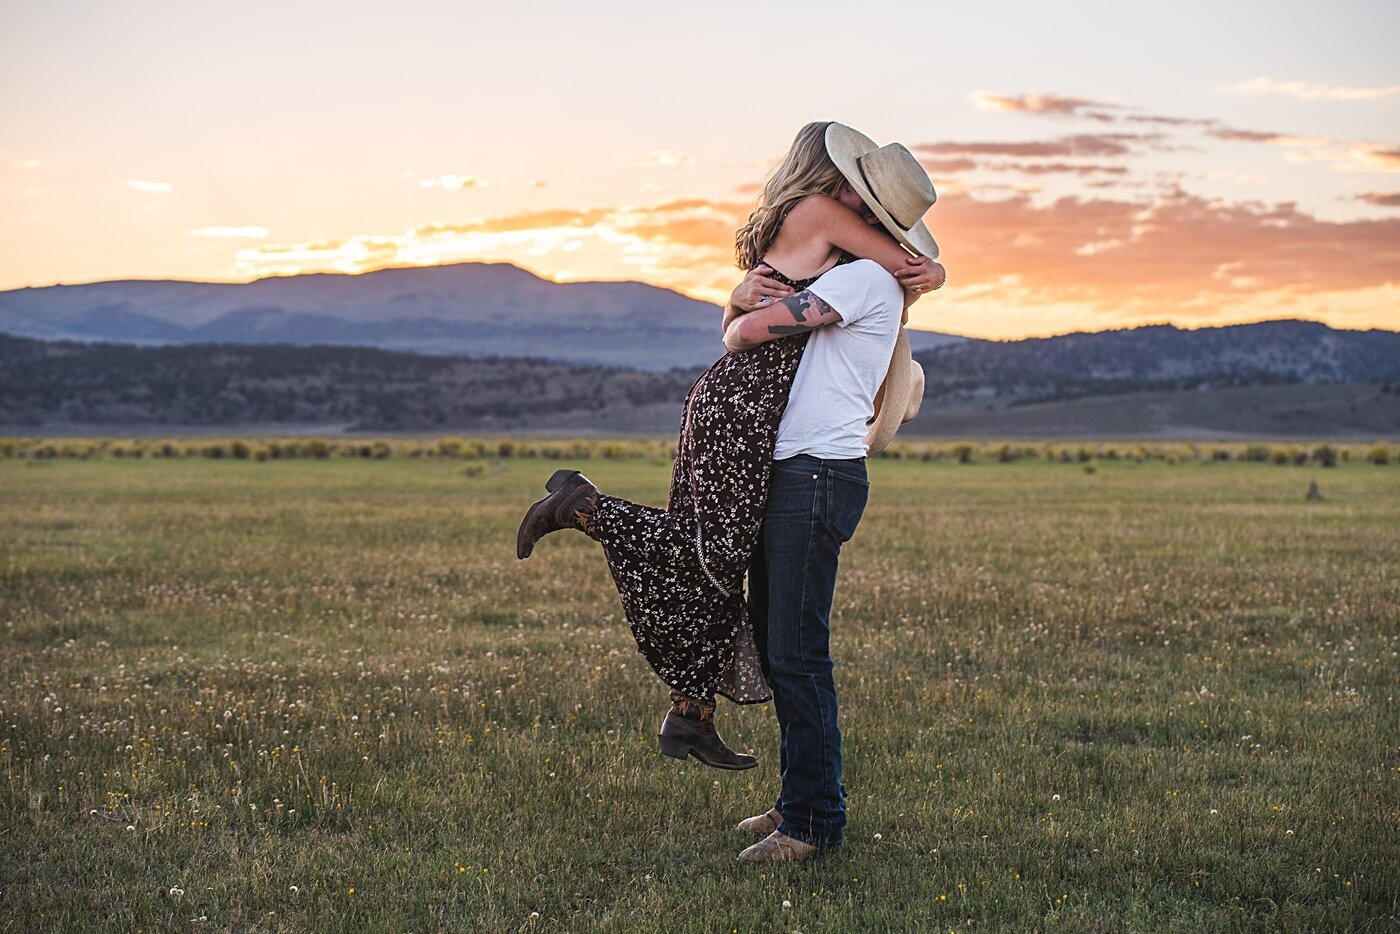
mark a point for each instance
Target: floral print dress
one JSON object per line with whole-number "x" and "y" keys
{"x": 680, "y": 570}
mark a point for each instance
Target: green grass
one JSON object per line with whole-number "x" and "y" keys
{"x": 325, "y": 695}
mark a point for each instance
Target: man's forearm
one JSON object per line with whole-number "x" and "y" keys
{"x": 795, "y": 314}
{"x": 734, "y": 339}
{"x": 730, "y": 313}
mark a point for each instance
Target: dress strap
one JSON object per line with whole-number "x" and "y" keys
{"x": 797, "y": 284}
{"x": 801, "y": 284}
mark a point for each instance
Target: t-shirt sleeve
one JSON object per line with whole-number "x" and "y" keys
{"x": 857, "y": 290}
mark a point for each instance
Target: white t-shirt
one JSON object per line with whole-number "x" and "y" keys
{"x": 833, "y": 393}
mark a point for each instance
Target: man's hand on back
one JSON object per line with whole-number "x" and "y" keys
{"x": 749, "y": 295}
{"x": 755, "y": 292}
{"x": 920, "y": 276}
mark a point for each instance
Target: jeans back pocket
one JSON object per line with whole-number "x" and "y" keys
{"x": 846, "y": 501}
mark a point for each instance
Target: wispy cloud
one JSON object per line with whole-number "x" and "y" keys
{"x": 1304, "y": 91}
{"x": 162, "y": 188}
{"x": 1068, "y": 168}
{"x": 25, "y": 164}
{"x": 1344, "y": 155}
{"x": 1082, "y": 144}
{"x": 656, "y": 159}
{"x": 452, "y": 182}
{"x": 1385, "y": 199}
{"x": 1053, "y": 104}
{"x": 1350, "y": 157}
{"x": 945, "y": 167}
{"x": 231, "y": 233}
{"x": 1236, "y": 135}
{"x": 1381, "y": 156}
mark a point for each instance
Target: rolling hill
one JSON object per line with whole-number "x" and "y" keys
{"x": 462, "y": 309}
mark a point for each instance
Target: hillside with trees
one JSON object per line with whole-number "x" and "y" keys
{"x": 1273, "y": 378}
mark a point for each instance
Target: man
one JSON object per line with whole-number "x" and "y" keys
{"x": 818, "y": 491}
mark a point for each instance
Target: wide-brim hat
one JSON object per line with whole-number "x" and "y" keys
{"x": 898, "y": 399}
{"x": 890, "y": 181}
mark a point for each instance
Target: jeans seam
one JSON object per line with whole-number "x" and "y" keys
{"x": 824, "y": 485}
{"x": 801, "y": 617}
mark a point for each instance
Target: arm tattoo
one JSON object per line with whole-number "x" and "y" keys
{"x": 799, "y": 306}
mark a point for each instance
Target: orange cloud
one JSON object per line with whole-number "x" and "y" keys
{"x": 1073, "y": 260}
{"x": 1180, "y": 251}
{"x": 683, "y": 244}
{"x": 532, "y": 221}
{"x": 1386, "y": 157}
{"x": 1311, "y": 92}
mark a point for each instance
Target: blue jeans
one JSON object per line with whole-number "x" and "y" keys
{"x": 813, "y": 508}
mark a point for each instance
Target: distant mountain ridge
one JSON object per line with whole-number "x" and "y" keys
{"x": 1157, "y": 358}
{"x": 1148, "y": 381}
{"x": 464, "y": 309}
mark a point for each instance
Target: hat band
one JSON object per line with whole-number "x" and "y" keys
{"x": 860, "y": 167}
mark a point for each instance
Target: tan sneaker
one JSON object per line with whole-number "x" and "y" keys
{"x": 777, "y": 848}
{"x": 763, "y": 824}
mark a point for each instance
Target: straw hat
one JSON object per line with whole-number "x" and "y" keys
{"x": 890, "y": 181}
{"x": 898, "y": 399}
{"x": 898, "y": 191}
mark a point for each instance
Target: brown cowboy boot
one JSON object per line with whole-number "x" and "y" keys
{"x": 569, "y": 505}
{"x": 689, "y": 730}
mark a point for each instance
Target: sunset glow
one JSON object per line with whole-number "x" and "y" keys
{"x": 1085, "y": 181}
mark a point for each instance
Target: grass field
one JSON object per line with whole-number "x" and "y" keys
{"x": 324, "y": 695}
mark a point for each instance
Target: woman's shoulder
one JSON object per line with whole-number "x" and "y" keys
{"x": 814, "y": 212}
{"x": 815, "y": 205}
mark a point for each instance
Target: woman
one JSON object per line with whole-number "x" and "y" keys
{"x": 679, "y": 571}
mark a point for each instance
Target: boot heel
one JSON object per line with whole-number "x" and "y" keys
{"x": 558, "y": 479}
{"x": 673, "y": 747}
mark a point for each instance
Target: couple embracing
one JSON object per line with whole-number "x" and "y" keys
{"x": 769, "y": 477}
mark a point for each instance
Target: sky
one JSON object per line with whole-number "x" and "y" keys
{"x": 1099, "y": 165}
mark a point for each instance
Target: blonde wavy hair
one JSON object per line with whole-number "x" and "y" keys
{"x": 805, "y": 170}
